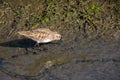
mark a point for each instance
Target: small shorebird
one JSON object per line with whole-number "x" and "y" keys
{"x": 41, "y": 35}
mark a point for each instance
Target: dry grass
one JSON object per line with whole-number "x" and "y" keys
{"x": 91, "y": 17}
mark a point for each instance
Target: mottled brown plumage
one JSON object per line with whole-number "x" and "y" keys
{"x": 41, "y": 35}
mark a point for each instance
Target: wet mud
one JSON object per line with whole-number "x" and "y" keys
{"x": 59, "y": 60}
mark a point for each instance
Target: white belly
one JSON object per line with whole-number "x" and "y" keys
{"x": 43, "y": 41}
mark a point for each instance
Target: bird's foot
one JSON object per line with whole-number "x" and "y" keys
{"x": 38, "y": 47}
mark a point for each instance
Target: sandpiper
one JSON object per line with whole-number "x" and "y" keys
{"x": 41, "y": 35}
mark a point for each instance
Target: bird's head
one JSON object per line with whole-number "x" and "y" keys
{"x": 57, "y": 36}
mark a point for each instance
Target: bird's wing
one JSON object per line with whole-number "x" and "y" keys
{"x": 27, "y": 33}
{"x": 43, "y": 30}
{"x": 24, "y": 33}
{"x": 35, "y": 35}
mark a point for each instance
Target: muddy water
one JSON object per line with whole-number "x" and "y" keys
{"x": 77, "y": 59}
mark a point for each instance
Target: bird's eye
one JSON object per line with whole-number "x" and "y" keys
{"x": 59, "y": 36}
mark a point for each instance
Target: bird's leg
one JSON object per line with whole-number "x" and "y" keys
{"x": 36, "y": 46}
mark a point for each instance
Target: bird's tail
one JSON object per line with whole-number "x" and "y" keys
{"x": 24, "y": 33}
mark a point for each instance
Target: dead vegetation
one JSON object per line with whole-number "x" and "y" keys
{"x": 91, "y": 18}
